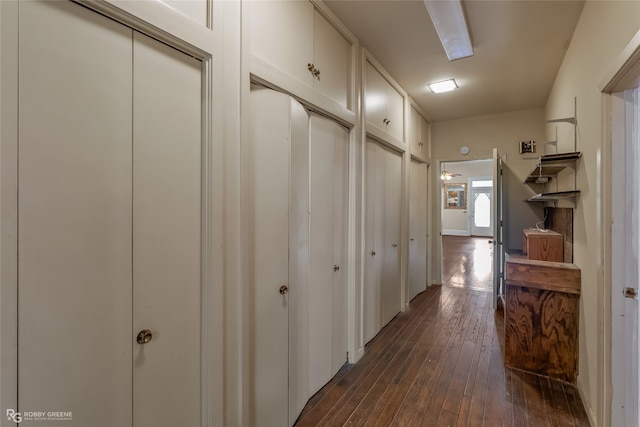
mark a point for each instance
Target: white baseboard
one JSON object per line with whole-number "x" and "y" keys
{"x": 587, "y": 407}
{"x": 455, "y": 233}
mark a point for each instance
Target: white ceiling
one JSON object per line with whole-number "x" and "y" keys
{"x": 518, "y": 48}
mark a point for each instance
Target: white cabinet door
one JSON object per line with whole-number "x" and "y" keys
{"x": 375, "y": 98}
{"x": 327, "y": 286}
{"x": 391, "y": 289}
{"x": 395, "y": 112}
{"x": 425, "y": 138}
{"x": 332, "y": 57}
{"x": 75, "y": 124}
{"x": 282, "y": 35}
{"x": 414, "y": 131}
{"x": 166, "y": 234}
{"x": 417, "y": 228}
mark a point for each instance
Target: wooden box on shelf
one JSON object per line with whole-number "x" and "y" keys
{"x": 544, "y": 245}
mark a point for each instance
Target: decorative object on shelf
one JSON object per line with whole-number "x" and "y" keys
{"x": 464, "y": 150}
{"x": 455, "y": 196}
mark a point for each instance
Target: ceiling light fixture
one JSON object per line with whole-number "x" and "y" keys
{"x": 451, "y": 26}
{"x": 443, "y": 86}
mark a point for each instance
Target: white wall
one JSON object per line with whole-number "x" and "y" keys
{"x": 604, "y": 30}
{"x": 456, "y": 221}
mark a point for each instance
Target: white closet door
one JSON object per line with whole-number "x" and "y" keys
{"x": 340, "y": 209}
{"x": 395, "y": 112}
{"x": 417, "y": 229}
{"x": 375, "y": 98}
{"x": 277, "y": 188}
{"x": 373, "y": 246}
{"x": 166, "y": 234}
{"x": 327, "y": 289}
{"x": 391, "y": 262}
{"x": 74, "y": 215}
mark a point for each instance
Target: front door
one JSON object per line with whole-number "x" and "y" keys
{"x": 480, "y": 207}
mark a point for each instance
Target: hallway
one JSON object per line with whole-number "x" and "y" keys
{"x": 441, "y": 364}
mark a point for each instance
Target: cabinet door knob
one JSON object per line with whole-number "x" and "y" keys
{"x": 395, "y": 245}
{"x": 316, "y": 72}
{"x": 284, "y": 289}
{"x": 144, "y": 336}
{"x": 373, "y": 253}
{"x": 310, "y": 67}
{"x": 336, "y": 267}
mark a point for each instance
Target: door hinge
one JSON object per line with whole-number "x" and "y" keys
{"x": 631, "y": 293}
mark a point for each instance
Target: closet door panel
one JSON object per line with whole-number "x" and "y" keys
{"x": 332, "y": 56}
{"x": 166, "y": 234}
{"x": 373, "y": 250}
{"x": 74, "y": 214}
{"x": 321, "y": 254}
{"x": 418, "y": 229}
{"x": 391, "y": 263}
{"x": 340, "y": 209}
{"x": 268, "y": 175}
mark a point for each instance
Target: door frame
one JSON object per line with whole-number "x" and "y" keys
{"x": 623, "y": 75}
{"x": 177, "y": 31}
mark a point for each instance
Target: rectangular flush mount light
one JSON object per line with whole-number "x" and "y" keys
{"x": 443, "y": 86}
{"x": 451, "y": 26}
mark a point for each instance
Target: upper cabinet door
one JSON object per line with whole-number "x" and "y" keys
{"x": 418, "y": 135}
{"x": 281, "y": 34}
{"x": 332, "y": 61}
{"x": 375, "y": 98}
{"x": 395, "y": 112}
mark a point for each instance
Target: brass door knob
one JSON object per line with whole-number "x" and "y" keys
{"x": 284, "y": 290}
{"x": 144, "y": 336}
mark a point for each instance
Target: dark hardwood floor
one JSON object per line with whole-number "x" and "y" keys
{"x": 441, "y": 364}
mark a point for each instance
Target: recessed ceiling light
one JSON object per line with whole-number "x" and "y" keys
{"x": 443, "y": 86}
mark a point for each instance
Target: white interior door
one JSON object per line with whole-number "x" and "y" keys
{"x": 374, "y": 230}
{"x": 625, "y": 243}
{"x": 390, "y": 287}
{"x": 75, "y": 225}
{"x": 166, "y": 234}
{"x": 498, "y": 229}
{"x": 327, "y": 288}
{"x": 417, "y": 228}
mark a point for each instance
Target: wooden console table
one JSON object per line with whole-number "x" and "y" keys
{"x": 541, "y": 317}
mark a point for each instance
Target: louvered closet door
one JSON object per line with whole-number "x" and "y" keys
{"x": 327, "y": 286}
{"x": 109, "y": 222}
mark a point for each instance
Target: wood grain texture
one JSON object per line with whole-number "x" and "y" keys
{"x": 543, "y": 246}
{"x": 544, "y": 275}
{"x": 541, "y": 332}
{"x": 560, "y": 220}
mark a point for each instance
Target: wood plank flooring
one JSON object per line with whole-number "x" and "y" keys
{"x": 441, "y": 364}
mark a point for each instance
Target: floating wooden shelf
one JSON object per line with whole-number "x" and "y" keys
{"x": 554, "y": 196}
{"x": 551, "y": 164}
